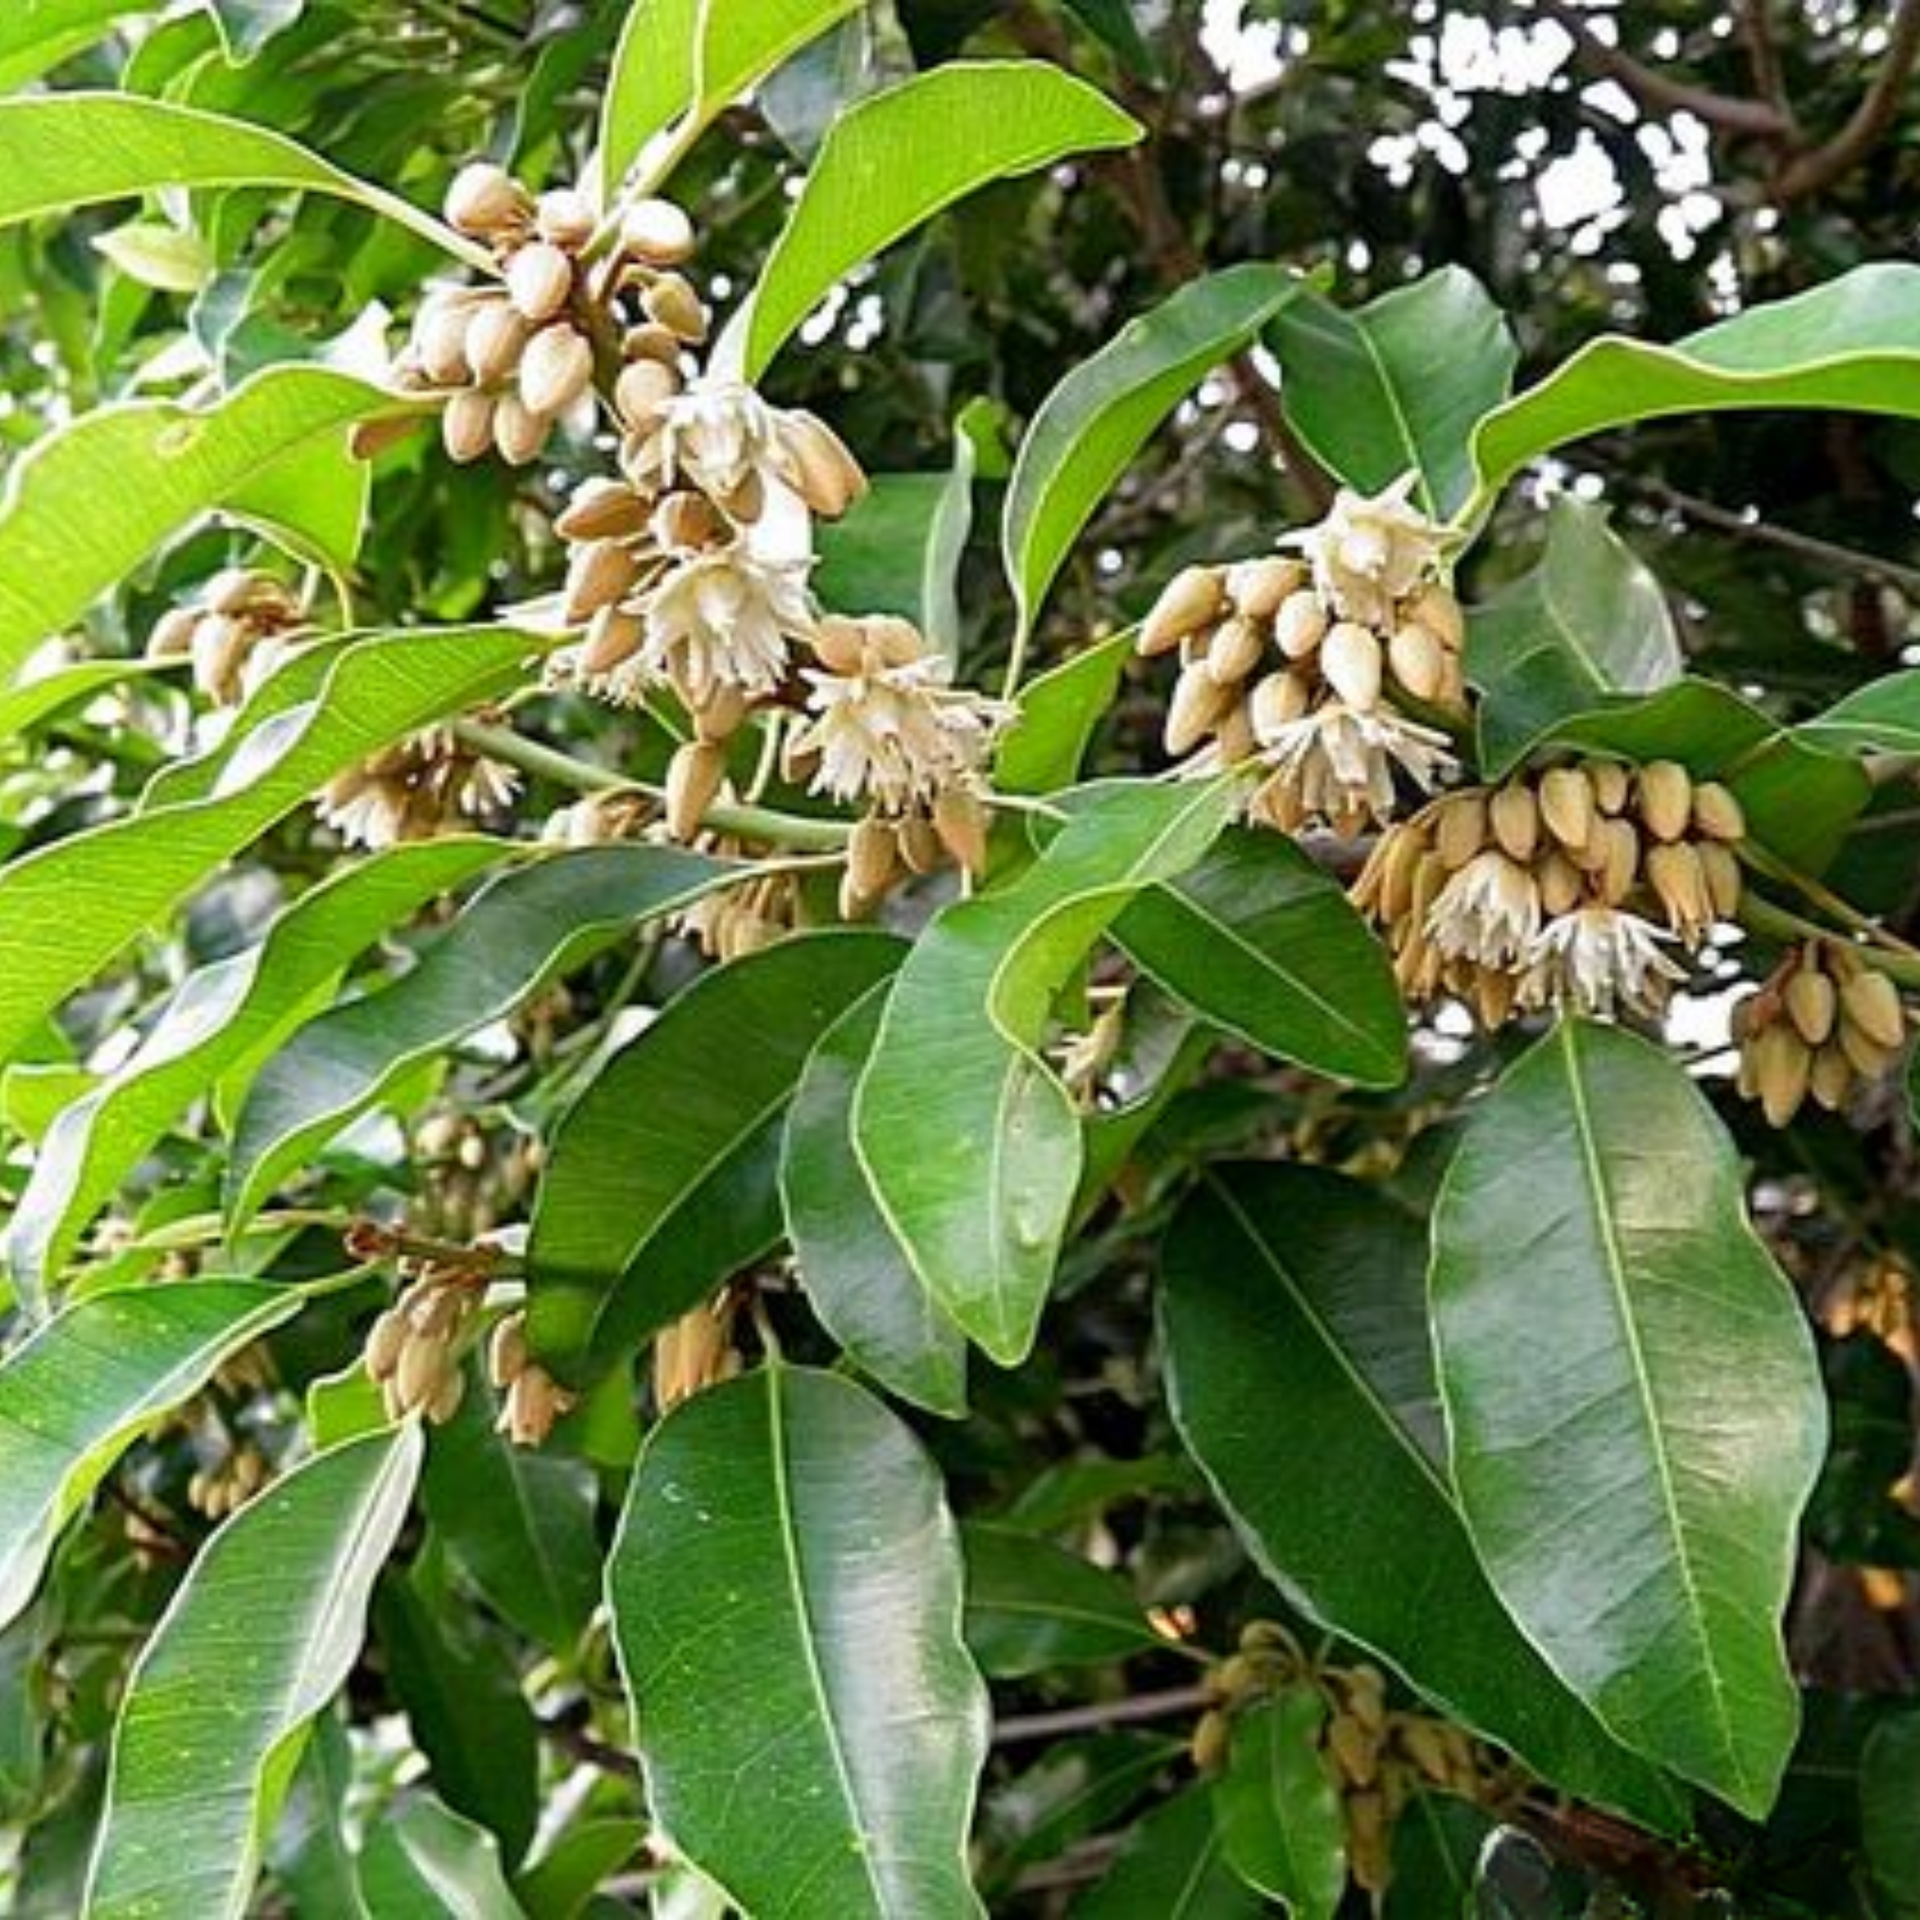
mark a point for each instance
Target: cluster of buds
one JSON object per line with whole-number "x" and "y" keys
{"x": 513, "y": 358}
{"x": 235, "y": 632}
{"x": 414, "y": 1350}
{"x": 222, "y": 1489}
{"x": 472, "y": 1182}
{"x": 695, "y": 1352}
{"x": 1823, "y": 1022}
{"x": 1556, "y": 889}
{"x": 1305, "y": 670}
{"x": 739, "y": 920}
{"x": 531, "y": 1399}
{"x": 414, "y": 789}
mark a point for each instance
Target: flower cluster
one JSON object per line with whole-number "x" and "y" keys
{"x": 1304, "y": 668}
{"x": 235, "y": 633}
{"x": 1823, "y": 1022}
{"x": 531, "y": 1399}
{"x": 414, "y": 1349}
{"x": 414, "y": 789}
{"x": 225, "y": 1487}
{"x": 695, "y": 1352}
{"x": 1561, "y": 888}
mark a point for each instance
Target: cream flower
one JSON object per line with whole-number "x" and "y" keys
{"x": 724, "y": 619}
{"x": 722, "y": 437}
{"x": 1597, "y": 960}
{"x": 1367, "y": 554}
{"x": 894, "y": 734}
{"x": 1337, "y": 764}
{"x": 1488, "y": 913}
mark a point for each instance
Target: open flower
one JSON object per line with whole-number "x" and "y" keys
{"x": 1488, "y": 913}
{"x": 724, "y": 618}
{"x": 1337, "y": 764}
{"x": 722, "y": 437}
{"x": 1368, "y": 554}
{"x": 1597, "y": 960}
{"x": 894, "y": 735}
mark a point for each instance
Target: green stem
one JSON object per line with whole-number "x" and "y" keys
{"x": 1762, "y": 916}
{"x": 1823, "y": 897}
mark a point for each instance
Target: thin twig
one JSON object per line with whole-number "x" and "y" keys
{"x": 1169, "y": 1704}
{"x": 582, "y": 1746}
{"x": 1811, "y": 172}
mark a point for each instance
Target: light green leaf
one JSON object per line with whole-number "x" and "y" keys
{"x": 1299, "y": 1375}
{"x": 521, "y": 931}
{"x": 1881, "y": 717}
{"x": 1890, "y": 1813}
{"x": 59, "y": 151}
{"x": 971, "y": 1145}
{"x": 1033, "y": 1607}
{"x": 1172, "y": 1867}
{"x": 662, "y": 1181}
{"x": 424, "y": 1862}
{"x": 1060, "y": 711}
{"x": 892, "y": 162}
{"x": 107, "y": 886}
{"x": 1586, "y": 627}
{"x": 246, "y": 26}
{"x": 1398, "y": 385}
{"x": 1093, "y": 423}
{"x": 1277, "y": 1809}
{"x": 78, "y": 1393}
{"x": 223, "y": 1019}
{"x": 685, "y": 60}
{"x": 1258, "y": 941}
{"x": 1850, "y": 345}
{"x": 1590, "y": 1244}
{"x": 275, "y": 450}
{"x": 39, "y": 699}
{"x": 857, "y": 1280}
{"x": 169, "y": 259}
{"x": 786, "y": 1595}
{"x": 37, "y": 35}
{"x": 257, "y": 1640}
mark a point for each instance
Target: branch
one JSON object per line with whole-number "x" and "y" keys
{"x": 1169, "y": 1704}
{"x": 1730, "y": 112}
{"x": 1879, "y": 106}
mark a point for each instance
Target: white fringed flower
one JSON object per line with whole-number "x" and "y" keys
{"x": 1488, "y": 913}
{"x": 894, "y": 734}
{"x": 724, "y": 619}
{"x": 1367, "y": 554}
{"x": 1336, "y": 764}
{"x": 1597, "y": 960}
{"x": 717, "y": 436}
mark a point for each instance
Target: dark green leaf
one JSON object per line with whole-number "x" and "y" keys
{"x": 38, "y": 35}
{"x": 1881, "y": 717}
{"x": 1172, "y": 1868}
{"x": 1032, "y": 1607}
{"x": 1277, "y": 1809}
{"x": 1436, "y": 1845}
{"x": 426, "y": 1863}
{"x": 310, "y": 1856}
{"x": 1059, "y": 713}
{"x": 1890, "y": 1813}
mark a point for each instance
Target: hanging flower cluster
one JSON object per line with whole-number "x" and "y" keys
{"x": 414, "y": 789}
{"x": 235, "y": 632}
{"x": 1304, "y": 668}
{"x": 531, "y": 1400}
{"x": 1823, "y": 1023}
{"x": 1562, "y": 888}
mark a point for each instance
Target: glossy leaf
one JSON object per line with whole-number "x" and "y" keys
{"x": 222, "y": 1018}
{"x": 1277, "y": 1808}
{"x": 786, "y": 1595}
{"x": 33, "y": 701}
{"x": 423, "y": 1861}
{"x": 78, "y": 1393}
{"x": 1259, "y": 942}
{"x": 970, "y": 1143}
{"x": 662, "y": 1179}
{"x": 1436, "y": 1847}
{"x": 858, "y": 1282}
{"x": 1299, "y": 1375}
{"x": 1398, "y": 385}
{"x": 894, "y": 161}
{"x": 107, "y": 886}
{"x": 1881, "y": 717}
{"x": 1059, "y": 713}
{"x": 256, "y": 1641}
{"x": 521, "y": 931}
{"x": 1851, "y": 344}
{"x": 1033, "y": 1607}
{"x": 275, "y": 450}
{"x": 1093, "y": 423}
{"x": 1890, "y": 1813}
{"x": 1635, "y": 1510}
{"x": 683, "y": 60}
{"x": 59, "y": 151}
{"x": 1588, "y": 625}
{"x": 1172, "y": 1867}
{"x": 37, "y": 35}
{"x": 309, "y": 1855}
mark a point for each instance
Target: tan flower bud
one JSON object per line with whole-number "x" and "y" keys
{"x": 694, "y": 776}
{"x": 518, "y": 431}
{"x": 496, "y": 338}
{"x": 642, "y": 389}
{"x": 220, "y": 648}
{"x": 1666, "y": 799}
{"x": 1460, "y": 828}
{"x": 1277, "y": 700}
{"x": 1830, "y": 1079}
{"x": 1621, "y": 846}
{"x": 651, "y": 341}
{"x": 1721, "y": 869}
{"x": 1351, "y": 660}
{"x": 507, "y": 1350}
{"x": 533, "y": 1403}
{"x": 1493, "y": 997}
{"x": 1422, "y": 1741}
{"x": 539, "y": 280}
{"x": 961, "y": 822}
{"x": 172, "y": 633}
{"x": 1611, "y": 784}
{"x": 1566, "y": 805}
{"x": 840, "y": 644}
{"x": 556, "y": 369}
{"x": 1870, "y": 1060}
{"x": 598, "y": 574}
{"x": 673, "y": 304}
{"x": 1235, "y": 737}
{"x": 1514, "y": 816}
{"x": 1191, "y": 600}
{"x": 418, "y": 1372}
{"x": 1717, "y": 813}
{"x": 1257, "y": 587}
{"x": 1436, "y": 609}
{"x": 602, "y": 510}
{"x": 1812, "y": 1003}
{"x": 873, "y": 858}
{"x": 1369, "y": 1842}
{"x": 1673, "y": 872}
{"x": 1198, "y": 704}
{"x": 1781, "y": 1067}
{"x": 444, "y": 1402}
{"x": 385, "y": 1338}
{"x": 1212, "y": 1742}
{"x": 921, "y": 849}
{"x": 1418, "y": 660}
{"x": 466, "y": 427}
{"x": 485, "y": 200}
{"x": 658, "y": 233}
{"x": 895, "y": 642}
{"x": 1300, "y": 625}
{"x": 1237, "y": 649}
{"x": 1354, "y": 1750}
{"x": 564, "y": 216}
{"x": 1872, "y": 1004}
{"x": 613, "y": 638}
{"x": 441, "y": 337}
{"x": 719, "y": 716}
{"x": 826, "y": 476}
{"x": 1560, "y": 884}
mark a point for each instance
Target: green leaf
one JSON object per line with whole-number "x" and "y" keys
{"x": 1590, "y": 1245}
{"x": 1060, "y": 710}
{"x": 786, "y": 1595}
{"x": 858, "y": 1281}
{"x": 1172, "y": 1867}
{"x": 107, "y": 886}
{"x": 78, "y": 1393}
{"x": 424, "y": 1862}
{"x": 1093, "y": 423}
{"x": 38, "y": 35}
{"x": 971, "y": 1145}
{"x": 39, "y": 699}
{"x": 222, "y": 1019}
{"x": 1589, "y": 624}
{"x": 654, "y": 81}
{"x": 1277, "y": 1809}
{"x": 1890, "y": 1813}
{"x": 246, "y": 26}
{"x": 1258, "y": 941}
{"x": 520, "y": 932}
{"x": 256, "y": 1641}
{"x": 309, "y": 1855}
{"x": 1881, "y": 717}
{"x": 1300, "y": 1378}
{"x": 1033, "y": 1607}
{"x": 1436, "y": 1845}
{"x": 561, "y": 1884}
{"x": 1075, "y": 1788}
{"x": 1397, "y": 385}
{"x": 59, "y": 151}
{"x": 1850, "y": 345}
{"x": 518, "y": 1523}
{"x": 892, "y": 162}
{"x": 661, "y": 1181}
{"x": 274, "y": 449}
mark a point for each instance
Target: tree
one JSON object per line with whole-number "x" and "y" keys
{"x": 953, "y": 959}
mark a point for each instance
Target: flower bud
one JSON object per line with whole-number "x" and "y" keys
{"x": 466, "y": 427}
{"x": 1514, "y": 816}
{"x": 674, "y": 305}
{"x": 1621, "y": 846}
{"x": 518, "y": 431}
{"x": 1350, "y": 659}
{"x": 1237, "y": 649}
{"x": 1198, "y": 704}
{"x": 440, "y": 338}
{"x": 602, "y": 510}
{"x": 1610, "y": 783}
{"x": 1666, "y": 799}
{"x": 556, "y": 369}
{"x": 1716, "y": 812}
{"x": 172, "y": 633}
{"x": 485, "y": 200}
{"x": 1781, "y": 1068}
{"x": 539, "y": 280}
{"x": 872, "y": 860}
{"x": 1256, "y": 588}
{"x": 597, "y": 575}
{"x": 1300, "y": 625}
{"x": 1460, "y": 828}
{"x": 1872, "y": 1003}
{"x": 1190, "y": 601}
{"x": 961, "y": 822}
{"x": 1831, "y": 1077}
{"x": 1278, "y": 699}
{"x": 641, "y": 389}
{"x": 1720, "y": 867}
{"x": 507, "y": 1350}
{"x": 1418, "y": 660}
{"x": 613, "y": 638}
{"x": 658, "y": 233}
{"x": 565, "y": 217}
{"x": 1566, "y": 805}
{"x": 1436, "y": 609}
{"x": 1812, "y": 1003}
{"x": 825, "y": 475}
{"x": 694, "y": 777}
